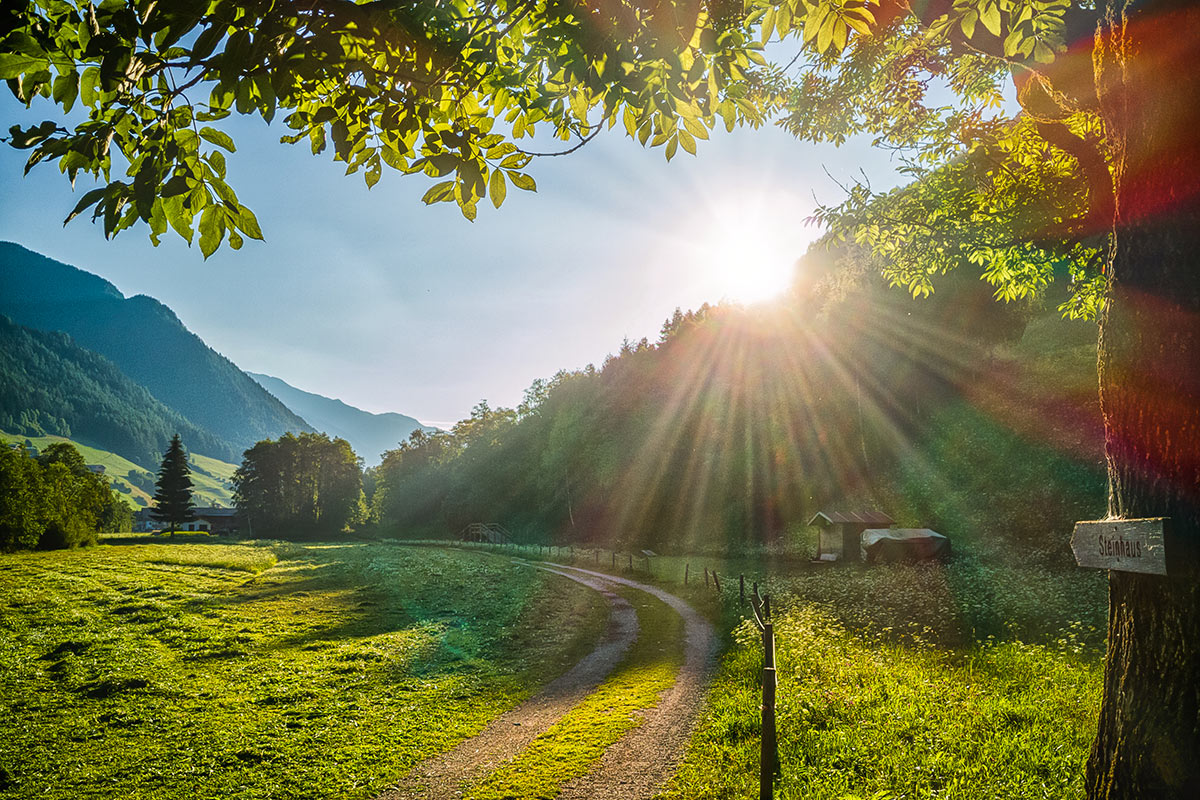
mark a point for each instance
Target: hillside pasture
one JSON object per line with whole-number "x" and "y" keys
{"x": 210, "y": 481}
{"x": 264, "y": 670}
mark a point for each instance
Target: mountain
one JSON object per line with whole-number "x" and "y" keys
{"x": 369, "y": 434}
{"x": 51, "y": 386}
{"x": 147, "y": 342}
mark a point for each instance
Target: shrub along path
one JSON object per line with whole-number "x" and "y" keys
{"x": 558, "y": 745}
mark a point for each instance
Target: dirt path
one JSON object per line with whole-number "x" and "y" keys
{"x": 638, "y": 765}
{"x": 443, "y": 777}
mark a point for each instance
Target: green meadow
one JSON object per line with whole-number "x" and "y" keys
{"x": 884, "y": 694}
{"x": 255, "y": 671}
{"x": 278, "y": 670}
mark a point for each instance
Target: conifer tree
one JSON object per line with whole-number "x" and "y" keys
{"x": 173, "y": 489}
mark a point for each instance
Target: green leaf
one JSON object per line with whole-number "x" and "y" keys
{"x": 522, "y": 181}
{"x": 841, "y": 32}
{"x": 87, "y": 85}
{"x": 66, "y": 89}
{"x": 219, "y": 138}
{"x": 497, "y": 187}
{"x": 687, "y": 142}
{"x": 825, "y": 34}
{"x": 179, "y": 216}
{"x": 990, "y": 17}
{"x": 224, "y": 192}
{"x": 439, "y": 193}
{"x": 468, "y": 210}
{"x": 672, "y": 146}
{"x": 212, "y": 229}
{"x": 391, "y": 156}
{"x": 967, "y": 23}
{"x": 768, "y": 26}
{"x": 217, "y": 160}
{"x": 13, "y": 65}
{"x": 87, "y": 200}
{"x": 249, "y": 223}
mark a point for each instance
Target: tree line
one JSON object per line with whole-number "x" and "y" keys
{"x": 729, "y": 431}
{"x": 53, "y": 500}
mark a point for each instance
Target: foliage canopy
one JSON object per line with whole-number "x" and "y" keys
{"x": 447, "y": 89}
{"x": 304, "y": 485}
{"x": 458, "y": 90}
{"x": 54, "y": 501}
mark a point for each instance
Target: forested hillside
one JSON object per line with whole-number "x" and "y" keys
{"x": 147, "y": 342}
{"x": 49, "y": 385}
{"x": 739, "y": 424}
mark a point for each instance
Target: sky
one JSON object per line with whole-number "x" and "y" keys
{"x": 371, "y": 297}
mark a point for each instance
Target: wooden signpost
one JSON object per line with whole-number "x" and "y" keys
{"x": 1127, "y": 545}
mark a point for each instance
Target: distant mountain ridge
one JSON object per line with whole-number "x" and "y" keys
{"x": 369, "y": 434}
{"x": 149, "y": 344}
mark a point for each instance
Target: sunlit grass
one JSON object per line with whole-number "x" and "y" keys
{"x": 203, "y": 671}
{"x": 860, "y": 716}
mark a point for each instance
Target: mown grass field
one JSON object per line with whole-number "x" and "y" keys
{"x": 271, "y": 670}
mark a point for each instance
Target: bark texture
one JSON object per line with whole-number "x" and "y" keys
{"x": 1147, "y": 62}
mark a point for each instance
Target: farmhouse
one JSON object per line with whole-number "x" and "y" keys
{"x": 219, "y": 520}
{"x": 214, "y": 519}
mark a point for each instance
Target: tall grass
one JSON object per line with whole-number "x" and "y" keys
{"x": 861, "y": 716}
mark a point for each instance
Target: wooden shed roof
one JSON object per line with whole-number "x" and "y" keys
{"x": 858, "y": 517}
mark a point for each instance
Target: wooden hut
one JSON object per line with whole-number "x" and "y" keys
{"x": 486, "y": 532}
{"x": 840, "y": 537}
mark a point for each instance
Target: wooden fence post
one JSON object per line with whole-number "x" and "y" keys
{"x": 686, "y": 569}
{"x": 631, "y": 561}
{"x": 769, "y": 757}
{"x": 769, "y": 768}
{"x": 706, "y": 577}
{"x": 742, "y": 588}
{"x": 716, "y": 581}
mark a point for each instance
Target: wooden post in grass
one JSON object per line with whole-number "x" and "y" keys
{"x": 706, "y": 577}
{"x": 686, "y": 569}
{"x": 742, "y": 587}
{"x": 769, "y": 768}
{"x": 614, "y": 566}
{"x": 631, "y": 561}
{"x": 716, "y": 582}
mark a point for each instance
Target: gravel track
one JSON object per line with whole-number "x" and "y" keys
{"x": 638, "y": 765}
{"x": 444, "y": 776}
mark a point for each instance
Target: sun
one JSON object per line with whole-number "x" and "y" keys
{"x": 744, "y": 247}
{"x": 746, "y": 267}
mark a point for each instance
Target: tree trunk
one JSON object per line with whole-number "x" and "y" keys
{"x": 1147, "y": 60}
